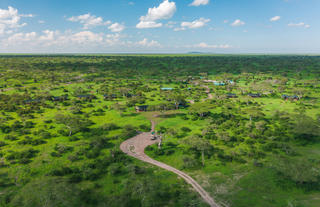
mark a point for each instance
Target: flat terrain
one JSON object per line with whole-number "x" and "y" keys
{"x": 135, "y": 146}
{"x": 244, "y": 130}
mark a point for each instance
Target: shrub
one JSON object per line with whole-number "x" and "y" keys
{"x": 61, "y": 149}
{"x": 128, "y": 132}
{"x": 73, "y": 138}
{"x": 48, "y": 121}
{"x": 162, "y": 129}
{"x": 55, "y": 154}
{"x": 36, "y": 142}
{"x": 5, "y": 129}
{"x": 75, "y": 178}
{"x": 63, "y": 132}
{"x": 110, "y": 127}
{"x": 100, "y": 110}
{"x": 144, "y": 127}
{"x": 135, "y": 170}
{"x": 31, "y": 141}
{"x": 73, "y": 158}
{"x": 92, "y": 153}
{"x": 189, "y": 162}
{"x": 10, "y": 137}
{"x": 22, "y": 155}
{"x": 114, "y": 169}
{"x": 61, "y": 172}
{"x": 2, "y": 143}
{"x": 169, "y": 152}
{"x": 302, "y": 171}
{"x": 29, "y": 124}
{"x": 45, "y": 135}
{"x": 158, "y": 152}
{"x": 171, "y": 144}
{"x": 186, "y": 129}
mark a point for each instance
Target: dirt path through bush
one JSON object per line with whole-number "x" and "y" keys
{"x": 135, "y": 146}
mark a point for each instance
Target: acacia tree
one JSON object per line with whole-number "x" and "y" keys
{"x": 299, "y": 92}
{"x": 119, "y": 107}
{"x": 254, "y": 113}
{"x": 177, "y": 99}
{"x": 299, "y": 170}
{"x": 201, "y": 109}
{"x": 306, "y": 128}
{"x": 200, "y": 145}
{"x": 74, "y": 123}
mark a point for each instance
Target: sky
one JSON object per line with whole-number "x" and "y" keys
{"x": 160, "y": 26}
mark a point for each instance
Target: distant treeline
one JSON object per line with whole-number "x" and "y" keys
{"x": 165, "y": 66}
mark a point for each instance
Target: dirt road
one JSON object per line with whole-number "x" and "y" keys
{"x": 210, "y": 96}
{"x": 135, "y": 146}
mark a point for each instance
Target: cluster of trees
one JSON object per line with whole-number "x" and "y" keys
{"x": 227, "y": 132}
{"x": 234, "y": 131}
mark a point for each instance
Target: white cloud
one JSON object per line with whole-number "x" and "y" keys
{"x": 55, "y": 41}
{"x": 146, "y": 25}
{"x": 54, "y": 38}
{"x": 205, "y": 45}
{"x": 179, "y": 29}
{"x": 301, "y": 24}
{"x": 41, "y": 22}
{"x": 275, "y": 18}
{"x": 195, "y": 24}
{"x": 48, "y": 35}
{"x": 114, "y": 39}
{"x": 116, "y": 27}
{"x": 27, "y": 15}
{"x": 10, "y": 18}
{"x": 88, "y": 20}
{"x": 237, "y": 23}
{"x": 164, "y": 11}
{"x": 86, "y": 36}
{"x": 199, "y": 2}
{"x": 22, "y": 37}
{"x": 9, "y": 31}
{"x": 146, "y": 43}
{"x": 67, "y": 41}
{"x": 2, "y": 28}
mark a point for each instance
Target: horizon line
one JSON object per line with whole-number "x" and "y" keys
{"x": 146, "y": 53}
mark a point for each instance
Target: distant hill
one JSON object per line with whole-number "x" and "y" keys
{"x": 195, "y": 52}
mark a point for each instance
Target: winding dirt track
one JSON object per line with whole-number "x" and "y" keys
{"x": 135, "y": 146}
{"x": 210, "y": 96}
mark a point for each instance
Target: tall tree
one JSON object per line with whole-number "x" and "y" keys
{"x": 177, "y": 99}
{"x": 306, "y": 128}
{"x": 200, "y": 145}
{"x": 74, "y": 123}
{"x": 201, "y": 109}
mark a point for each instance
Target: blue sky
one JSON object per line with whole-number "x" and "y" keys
{"x": 160, "y": 26}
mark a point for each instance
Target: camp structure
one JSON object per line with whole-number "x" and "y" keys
{"x": 294, "y": 97}
{"x": 166, "y": 89}
{"x": 254, "y": 95}
{"x": 141, "y": 108}
{"x": 231, "y": 95}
